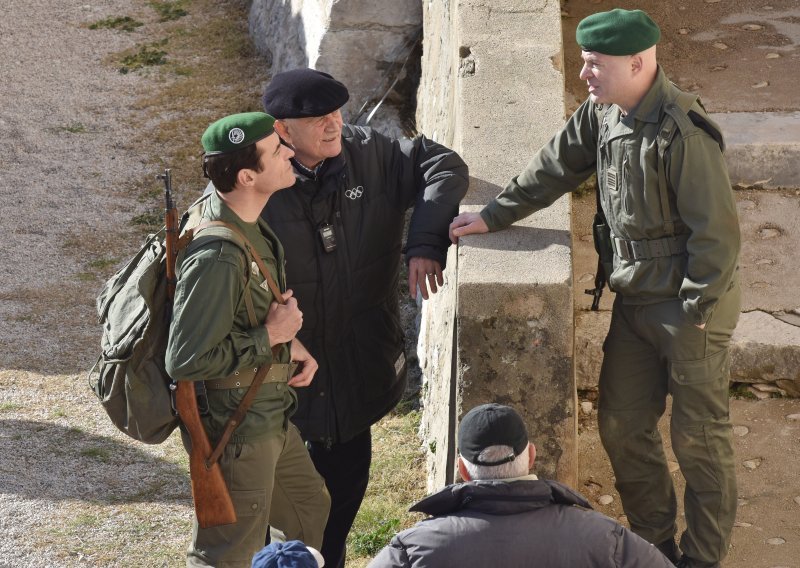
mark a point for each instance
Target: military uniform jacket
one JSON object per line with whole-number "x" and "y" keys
{"x": 522, "y": 523}
{"x": 349, "y": 296}
{"x": 211, "y": 335}
{"x": 623, "y": 150}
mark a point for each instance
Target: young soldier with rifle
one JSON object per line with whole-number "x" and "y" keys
{"x": 229, "y": 331}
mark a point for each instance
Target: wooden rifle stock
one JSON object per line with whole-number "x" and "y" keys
{"x": 212, "y": 501}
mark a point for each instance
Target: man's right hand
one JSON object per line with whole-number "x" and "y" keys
{"x": 467, "y": 224}
{"x": 283, "y": 321}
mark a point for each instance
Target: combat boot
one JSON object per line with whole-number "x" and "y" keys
{"x": 669, "y": 549}
{"x": 686, "y": 562}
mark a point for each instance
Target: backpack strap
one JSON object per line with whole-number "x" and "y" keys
{"x": 192, "y": 223}
{"x": 217, "y": 230}
{"x": 233, "y": 234}
{"x": 229, "y": 232}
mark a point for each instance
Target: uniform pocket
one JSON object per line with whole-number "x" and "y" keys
{"x": 249, "y": 503}
{"x": 700, "y": 387}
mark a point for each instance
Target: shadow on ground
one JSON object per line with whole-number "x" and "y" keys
{"x": 42, "y": 460}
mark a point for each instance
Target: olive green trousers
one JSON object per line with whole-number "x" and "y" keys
{"x": 272, "y": 481}
{"x": 652, "y": 351}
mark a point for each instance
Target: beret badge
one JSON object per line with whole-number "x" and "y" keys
{"x": 236, "y": 135}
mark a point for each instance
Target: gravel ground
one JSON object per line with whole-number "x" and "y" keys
{"x": 73, "y": 490}
{"x": 66, "y": 159}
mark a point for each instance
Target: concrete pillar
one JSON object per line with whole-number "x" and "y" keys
{"x": 493, "y": 89}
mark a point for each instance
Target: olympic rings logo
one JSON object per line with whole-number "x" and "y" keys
{"x": 355, "y": 193}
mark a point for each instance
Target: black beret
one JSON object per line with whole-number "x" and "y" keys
{"x": 617, "y": 32}
{"x": 301, "y": 93}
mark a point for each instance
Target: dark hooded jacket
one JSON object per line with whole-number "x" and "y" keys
{"x": 524, "y": 523}
{"x": 349, "y": 295}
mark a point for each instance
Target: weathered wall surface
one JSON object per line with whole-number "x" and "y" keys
{"x": 512, "y": 298}
{"x": 437, "y": 337}
{"x": 356, "y": 41}
{"x": 438, "y": 118}
{"x": 438, "y": 112}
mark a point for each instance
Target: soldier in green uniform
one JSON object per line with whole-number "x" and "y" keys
{"x": 668, "y": 202}
{"x": 212, "y": 338}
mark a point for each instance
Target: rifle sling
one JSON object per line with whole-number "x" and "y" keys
{"x": 241, "y": 411}
{"x": 600, "y": 276}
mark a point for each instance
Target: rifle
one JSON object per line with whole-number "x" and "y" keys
{"x": 212, "y": 501}
{"x": 605, "y": 254}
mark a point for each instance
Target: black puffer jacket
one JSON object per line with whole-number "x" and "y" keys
{"x": 525, "y": 523}
{"x": 348, "y": 296}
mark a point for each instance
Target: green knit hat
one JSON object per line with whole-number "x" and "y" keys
{"x": 617, "y": 32}
{"x": 236, "y": 131}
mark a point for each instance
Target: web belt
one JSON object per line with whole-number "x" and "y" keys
{"x": 649, "y": 248}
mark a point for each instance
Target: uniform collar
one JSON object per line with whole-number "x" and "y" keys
{"x": 649, "y": 108}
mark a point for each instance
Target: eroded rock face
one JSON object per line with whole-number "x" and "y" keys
{"x": 356, "y": 41}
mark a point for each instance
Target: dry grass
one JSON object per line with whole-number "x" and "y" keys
{"x": 397, "y": 480}
{"x": 211, "y": 69}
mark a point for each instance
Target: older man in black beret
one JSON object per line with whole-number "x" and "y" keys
{"x": 342, "y": 228}
{"x": 668, "y": 234}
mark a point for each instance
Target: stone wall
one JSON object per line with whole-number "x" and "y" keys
{"x": 494, "y": 91}
{"x": 356, "y": 41}
{"x": 437, "y": 117}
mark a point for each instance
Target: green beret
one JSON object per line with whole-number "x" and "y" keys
{"x": 617, "y": 32}
{"x": 236, "y": 131}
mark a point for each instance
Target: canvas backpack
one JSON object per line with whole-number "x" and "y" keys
{"x": 129, "y": 376}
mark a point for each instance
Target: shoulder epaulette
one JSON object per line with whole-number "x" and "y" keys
{"x": 687, "y": 112}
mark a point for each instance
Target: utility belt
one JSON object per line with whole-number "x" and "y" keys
{"x": 278, "y": 373}
{"x": 649, "y": 248}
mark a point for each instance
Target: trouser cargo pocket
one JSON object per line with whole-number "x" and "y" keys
{"x": 700, "y": 387}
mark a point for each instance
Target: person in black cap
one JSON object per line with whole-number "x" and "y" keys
{"x": 668, "y": 235}
{"x": 342, "y": 225}
{"x": 504, "y": 516}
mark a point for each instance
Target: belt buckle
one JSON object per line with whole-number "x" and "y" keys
{"x": 637, "y": 249}
{"x": 622, "y": 248}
